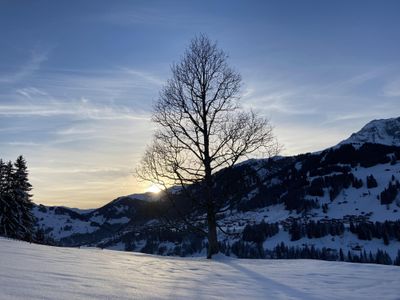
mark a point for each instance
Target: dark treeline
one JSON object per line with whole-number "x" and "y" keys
{"x": 16, "y": 219}
{"x": 381, "y": 230}
{"x": 250, "y": 243}
{"x": 250, "y": 250}
{"x": 314, "y": 229}
{"x": 284, "y": 252}
{"x": 258, "y": 233}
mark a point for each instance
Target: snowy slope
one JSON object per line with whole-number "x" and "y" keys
{"x": 351, "y": 202}
{"x": 31, "y": 271}
{"x": 384, "y": 131}
{"x": 60, "y": 222}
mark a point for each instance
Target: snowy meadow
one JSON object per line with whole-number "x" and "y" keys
{"x": 30, "y": 271}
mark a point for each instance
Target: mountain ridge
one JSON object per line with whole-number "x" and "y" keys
{"x": 324, "y": 200}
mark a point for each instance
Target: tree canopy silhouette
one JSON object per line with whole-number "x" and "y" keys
{"x": 202, "y": 129}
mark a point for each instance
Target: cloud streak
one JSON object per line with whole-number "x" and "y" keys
{"x": 75, "y": 109}
{"x": 37, "y": 58}
{"x": 79, "y": 129}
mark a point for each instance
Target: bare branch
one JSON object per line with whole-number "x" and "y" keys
{"x": 202, "y": 130}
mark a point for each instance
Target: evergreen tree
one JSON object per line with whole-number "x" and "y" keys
{"x": 295, "y": 231}
{"x": 397, "y": 260}
{"x": 3, "y": 200}
{"x": 371, "y": 182}
{"x": 390, "y": 193}
{"x": 16, "y": 218}
{"x": 22, "y": 187}
{"x": 9, "y": 220}
{"x": 341, "y": 255}
{"x": 385, "y": 238}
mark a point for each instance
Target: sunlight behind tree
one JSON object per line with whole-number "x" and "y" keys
{"x": 154, "y": 188}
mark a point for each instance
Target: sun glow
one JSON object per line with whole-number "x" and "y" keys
{"x": 154, "y": 188}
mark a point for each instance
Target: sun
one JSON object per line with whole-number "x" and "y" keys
{"x": 154, "y": 188}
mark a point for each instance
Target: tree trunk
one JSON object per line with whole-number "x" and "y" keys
{"x": 213, "y": 247}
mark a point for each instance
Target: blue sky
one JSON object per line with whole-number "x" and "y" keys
{"x": 78, "y": 79}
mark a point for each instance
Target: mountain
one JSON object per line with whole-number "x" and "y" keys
{"x": 72, "y": 227}
{"x": 342, "y": 203}
{"x": 384, "y": 131}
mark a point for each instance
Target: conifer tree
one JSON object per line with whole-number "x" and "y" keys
{"x": 16, "y": 218}
{"x": 9, "y": 220}
{"x": 22, "y": 187}
{"x": 371, "y": 182}
{"x": 3, "y": 201}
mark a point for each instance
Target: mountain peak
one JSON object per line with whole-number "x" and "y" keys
{"x": 383, "y": 131}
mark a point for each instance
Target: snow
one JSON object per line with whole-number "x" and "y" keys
{"x": 351, "y": 201}
{"x": 61, "y": 225}
{"x": 385, "y": 131}
{"x": 346, "y": 242}
{"x": 354, "y": 201}
{"x": 31, "y": 271}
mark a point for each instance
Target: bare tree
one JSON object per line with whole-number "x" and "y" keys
{"x": 201, "y": 129}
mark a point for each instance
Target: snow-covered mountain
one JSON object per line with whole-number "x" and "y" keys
{"x": 384, "y": 131}
{"x": 74, "y": 227}
{"x": 340, "y": 203}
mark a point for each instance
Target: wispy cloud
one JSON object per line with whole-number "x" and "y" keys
{"x": 75, "y": 131}
{"x": 76, "y": 109}
{"x": 79, "y": 129}
{"x": 123, "y": 93}
{"x": 31, "y": 66}
{"x": 334, "y": 99}
{"x": 310, "y": 115}
{"x": 151, "y": 78}
{"x": 30, "y": 92}
{"x": 72, "y": 108}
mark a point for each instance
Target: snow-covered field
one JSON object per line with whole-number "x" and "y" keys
{"x": 29, "y": 271}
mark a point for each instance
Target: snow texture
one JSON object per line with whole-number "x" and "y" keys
{"x": 31, "y": 271}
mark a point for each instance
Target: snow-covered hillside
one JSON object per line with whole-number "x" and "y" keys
{"x": 62, "y": 222}
{"x": 31, "y": 271}
{"x": 343, "y": 201}
{"x": 384, "y": 131}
